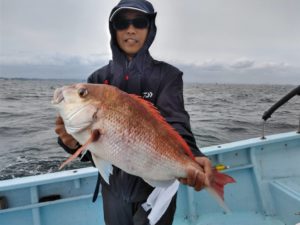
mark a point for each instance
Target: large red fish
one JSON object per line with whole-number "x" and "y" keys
{"x": 128, "y": 132}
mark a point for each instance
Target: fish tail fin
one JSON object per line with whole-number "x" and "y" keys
{"x": 217, "y": 188}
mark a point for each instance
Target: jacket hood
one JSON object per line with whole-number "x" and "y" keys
{"x": 139, "y": 5}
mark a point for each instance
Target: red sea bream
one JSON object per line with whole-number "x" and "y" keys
{"x": 126, "y": 131}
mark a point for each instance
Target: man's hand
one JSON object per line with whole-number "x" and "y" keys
{"x": 66, "y": 138}
{"x": 199, "y": 180}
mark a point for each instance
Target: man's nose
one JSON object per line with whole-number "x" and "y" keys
{"x": 131, "y": 29}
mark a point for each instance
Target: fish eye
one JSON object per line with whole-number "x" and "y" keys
{"x": 82, "y": 92}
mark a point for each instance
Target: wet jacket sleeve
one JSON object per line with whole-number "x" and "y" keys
{"x": 171, "y": 105}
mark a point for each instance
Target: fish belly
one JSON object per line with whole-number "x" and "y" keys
{"x": 138, "y": 159}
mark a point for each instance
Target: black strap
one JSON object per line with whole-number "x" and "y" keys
{"x": 108, "y": 80}
{"x": 96, "y": 192}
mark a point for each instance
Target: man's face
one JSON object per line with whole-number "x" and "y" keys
{"x": 131, "y": 39}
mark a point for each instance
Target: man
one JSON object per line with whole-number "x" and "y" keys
{"x": 132, "y": 69}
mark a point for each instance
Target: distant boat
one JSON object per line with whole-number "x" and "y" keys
{"x": 267, "y": 191}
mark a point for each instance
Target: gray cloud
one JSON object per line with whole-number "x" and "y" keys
{"x": 51, "y": 59}
{"x": 238, "y": 38}
{"x": 252, "y": 72}
{"x": 209, "y": 71}
{"x": 242, "y": 64}
{"x": 50, "y": 66}
{"x": 211, "y": 65}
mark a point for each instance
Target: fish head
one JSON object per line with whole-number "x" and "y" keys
{"x": 78, "y": 105}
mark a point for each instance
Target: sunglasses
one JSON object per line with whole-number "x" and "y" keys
{"x": 139, "y": 22}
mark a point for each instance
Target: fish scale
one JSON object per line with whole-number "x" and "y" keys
{"x": 158, "y": 162}
{"x": 137, "y": 137}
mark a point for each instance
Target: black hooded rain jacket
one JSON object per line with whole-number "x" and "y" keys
{"x": 157, "y": 82}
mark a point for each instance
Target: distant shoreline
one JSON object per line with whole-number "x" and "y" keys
{"x": 44, "y": 79}
{"x": 185, "y": 82}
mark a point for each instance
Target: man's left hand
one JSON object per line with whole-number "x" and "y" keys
{"x": 199, "y": 180}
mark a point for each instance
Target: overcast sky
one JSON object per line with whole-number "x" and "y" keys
{"x": 233, "y": 41}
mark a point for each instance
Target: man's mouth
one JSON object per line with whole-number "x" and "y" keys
{"x": 131, "y": 40}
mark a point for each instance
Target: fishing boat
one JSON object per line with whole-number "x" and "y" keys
{"x": 266, "y": 192}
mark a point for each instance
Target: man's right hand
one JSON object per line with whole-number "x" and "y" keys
{"x": 66, "y": 138}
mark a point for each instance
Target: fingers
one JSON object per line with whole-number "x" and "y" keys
{"x": 66, "y": 138}
{"x": 195, "y": 179}
{"x": 199, "y": 181}
{"x": 59, "y": 126}
{"x": 60, "y": 129}
{"x": 207, "y": 168}
{"x": 198, "y": 178}
{"x": 59, "y": 120}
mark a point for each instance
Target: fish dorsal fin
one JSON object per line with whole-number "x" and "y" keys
{"x": 149, "y": 107}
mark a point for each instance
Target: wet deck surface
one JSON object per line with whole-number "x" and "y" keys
{"x": 241, "y": 218}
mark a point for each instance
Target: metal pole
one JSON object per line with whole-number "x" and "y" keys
{"x": 263, "y": 130}
{"x": 299, "y": 126}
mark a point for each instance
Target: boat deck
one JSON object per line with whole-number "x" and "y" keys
{"x": 240, "y": 218}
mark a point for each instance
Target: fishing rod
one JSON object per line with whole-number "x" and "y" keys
{"x": 267, "y": 114}
{"x": 282, "y": 101}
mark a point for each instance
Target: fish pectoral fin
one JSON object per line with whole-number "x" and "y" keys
{"x": 159, "y": 183}
{"x": 105, "y": 168}
{"x": 159, "y": 200}
{"x": 95, "y": 135}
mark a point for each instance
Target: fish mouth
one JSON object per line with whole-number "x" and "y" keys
{"x": 75, "y": 115}
{"x": 76, "y": 112}
{"x": 58, "y": 96}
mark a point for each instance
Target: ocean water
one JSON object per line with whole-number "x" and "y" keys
{"x": 219, "y": 113}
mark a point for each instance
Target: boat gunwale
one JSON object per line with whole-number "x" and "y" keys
{"x": 249, "y": 143}
{"x": 25, "y": 182}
